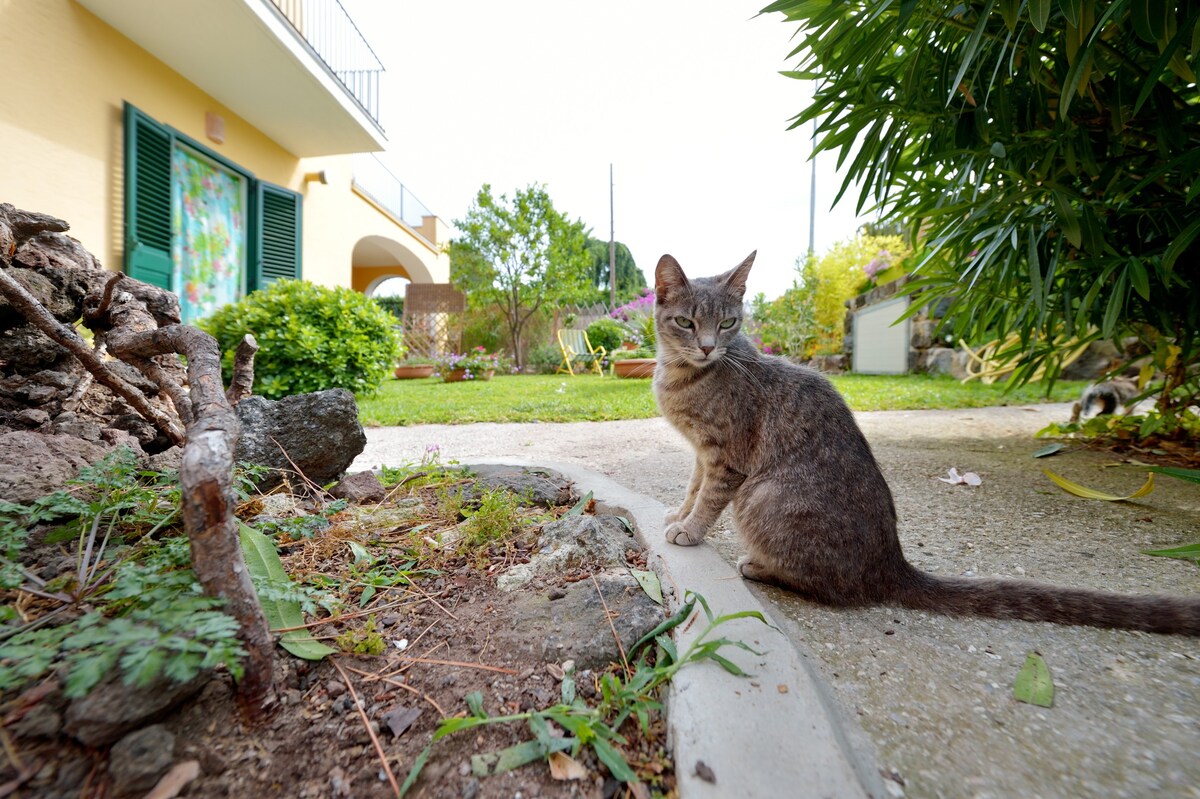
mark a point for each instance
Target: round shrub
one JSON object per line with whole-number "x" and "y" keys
{"x": 607, "y": 332}
{"x": 310, "y": 338}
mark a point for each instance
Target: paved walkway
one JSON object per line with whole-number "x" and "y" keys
{"x": 919, "y": 704}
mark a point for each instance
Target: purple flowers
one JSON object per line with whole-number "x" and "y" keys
{"x": 882, "y": 262}
{"x": 474, "y": 364}
{"x": 642, "y": 306}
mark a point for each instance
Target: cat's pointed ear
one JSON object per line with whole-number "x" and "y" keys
{"x": 668, "y": 278}
{"x": 735, "y": 279}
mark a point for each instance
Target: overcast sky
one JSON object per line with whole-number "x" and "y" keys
{"x": 683, "y": 97}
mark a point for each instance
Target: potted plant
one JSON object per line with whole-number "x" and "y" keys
{"x": 637, "y": 362}
{"x": 478, "y": 364}
{"x": 414, "y": 368}
{"x": 637, "y": 317}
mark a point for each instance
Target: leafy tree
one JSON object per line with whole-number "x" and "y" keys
{"x": 630, "y": 280}
{"x": 809, "y": 318}
{"x": 1046, "y": 153}
{"x": 519, "y": 256}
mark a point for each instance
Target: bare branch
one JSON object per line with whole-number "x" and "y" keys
{"x": 242, "y": 383}
{"x": 39, "y": 317}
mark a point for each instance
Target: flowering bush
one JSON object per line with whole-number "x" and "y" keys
{"x": 638, "y": 318}
{"x": 475, "y": 363}
{"x": 639, "y": 307}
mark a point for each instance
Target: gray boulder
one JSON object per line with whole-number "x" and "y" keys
{"x": 33, "y": 465}
{"x": 319, "y": 432}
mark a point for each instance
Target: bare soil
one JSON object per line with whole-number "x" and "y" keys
{"x": 340, "y": 720}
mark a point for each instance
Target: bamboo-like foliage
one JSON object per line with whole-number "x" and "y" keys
{"x": 1045, "y": 154}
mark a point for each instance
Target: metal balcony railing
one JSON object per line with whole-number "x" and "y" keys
{"x": 327, "y": 30}
{"x": 374, "y": 179}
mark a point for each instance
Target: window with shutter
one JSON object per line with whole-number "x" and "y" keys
{"x": 277, "y": 236}
{"x": 147, "y": 199}
{"x": 155, "y": 233}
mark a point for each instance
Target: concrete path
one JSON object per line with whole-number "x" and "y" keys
{"x": 889, "y": 702}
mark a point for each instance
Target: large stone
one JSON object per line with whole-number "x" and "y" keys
{"x": 360, "y": 488}
{"x": 319, "y": 433}
{"x": 541, "y": 487}
{"x": 140, "y": 758}
{"x": 570, "y": 542}
{"x": 113, "y": 708}
{"x": 33, "y": 465}
{"x": 576, "y": 626}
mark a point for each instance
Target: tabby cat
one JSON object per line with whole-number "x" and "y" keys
{"x": 809, "y": 501}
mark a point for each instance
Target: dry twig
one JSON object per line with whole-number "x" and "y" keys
{"x": 367, "y": 723}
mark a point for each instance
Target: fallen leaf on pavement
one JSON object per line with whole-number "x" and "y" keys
{"x": 1091, "y": 493}
{"x": 1033, "y": 684}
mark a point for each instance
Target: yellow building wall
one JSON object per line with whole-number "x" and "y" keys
{"x": 68, "y": 75}
{"x": 61, "y": 123}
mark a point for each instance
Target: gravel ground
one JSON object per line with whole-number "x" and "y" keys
{"x": 928, "y": 697}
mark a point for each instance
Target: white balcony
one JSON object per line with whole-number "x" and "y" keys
{"x": 298, "y": 70}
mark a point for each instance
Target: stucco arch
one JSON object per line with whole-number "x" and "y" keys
{"x": 376, "y": 258}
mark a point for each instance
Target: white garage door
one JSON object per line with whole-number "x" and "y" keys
{"x": 881, "y": 347}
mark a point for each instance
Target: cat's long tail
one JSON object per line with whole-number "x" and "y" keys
{"x": 1030, "y": 601}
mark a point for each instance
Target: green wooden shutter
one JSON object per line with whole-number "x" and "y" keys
{"x": 275, "y": 247}
{"x": 147, "y": 199}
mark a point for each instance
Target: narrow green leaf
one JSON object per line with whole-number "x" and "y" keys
{"x": 679, "y": 618}
{"x": 359, "y": 551}
{"x": 613, "y": 759}
{"x": 1180, "y": 245}
{"x": 418, "y": 764}
{"x": 648, "y": 580}
{"x": 1116, "y": 304}
{"x": 1191, "y": 475}
{"x": 580, "y": 506}
{"x": 1090, "y": 493}
{"x": 1139, "y": 277}
{"x": 1067, "y": 217}
{"x": 1187, "y": 552}
{"x": 1039, "y": 14}
{"x": 474, "y": 702}
{"x": 262, "y": 560}
{"x": 1050, "y": 449}
{"x": 1033, "y": 684}
{"x": 1072, "y": 11}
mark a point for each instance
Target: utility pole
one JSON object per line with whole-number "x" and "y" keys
{"x": 612, "y": 246}
{"x": 812, "y": 195}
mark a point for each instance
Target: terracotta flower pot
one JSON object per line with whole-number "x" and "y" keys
{"x": 634, "y": 367}
{"x": 459, "y": 375}
{"x": 413, "y": 371}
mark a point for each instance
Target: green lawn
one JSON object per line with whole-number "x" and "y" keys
{"x": 559, "y": 398}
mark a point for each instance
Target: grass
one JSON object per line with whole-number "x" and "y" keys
{"x": 587, "y": 398}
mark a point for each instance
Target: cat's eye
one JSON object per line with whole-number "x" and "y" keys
{"x": 728, "y": 323}
{"x": 684, "y": 322}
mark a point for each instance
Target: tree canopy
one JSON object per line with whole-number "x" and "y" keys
{"x": 630, "y": 279}
{"x": 1044, "y": 154}
{"x": 519, "y": 255}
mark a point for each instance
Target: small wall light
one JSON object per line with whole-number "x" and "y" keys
{"x": 316, "y": 177}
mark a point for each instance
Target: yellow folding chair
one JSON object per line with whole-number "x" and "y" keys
{"x": 576, "y": 348}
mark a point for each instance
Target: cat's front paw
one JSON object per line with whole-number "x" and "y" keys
{"x": 679, "y": 534}
{"x": 752, "y": 570}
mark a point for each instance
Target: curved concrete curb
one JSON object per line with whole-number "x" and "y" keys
{"x": 768, "y": 736}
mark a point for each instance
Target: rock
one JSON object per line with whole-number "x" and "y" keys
{"x": 541, "y": 487}
{"x": 572, "y": 541}
{"x": 360, "y": 488}
{"x": 943, "y": 361}
{"x": 140, "y": 758}
{"x": 33, "y": 465}
{"x": 113, "y": 708}
{"x": 75, "y": 426}
{"x": 26, "y": 349}
{"x": 34, "y": 417}
{"x": 320, "y": 433}
{"x": 41, "y": 721}
{"x": 576, "y": 627}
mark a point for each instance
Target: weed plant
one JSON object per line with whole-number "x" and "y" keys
{"x": 629, "y": 694}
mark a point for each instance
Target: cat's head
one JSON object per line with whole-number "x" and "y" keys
{"x": 696, "y": 319}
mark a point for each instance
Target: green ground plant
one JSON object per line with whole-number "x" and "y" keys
{"x": 130, "y": 604}
{"x": 627, "y": 693}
